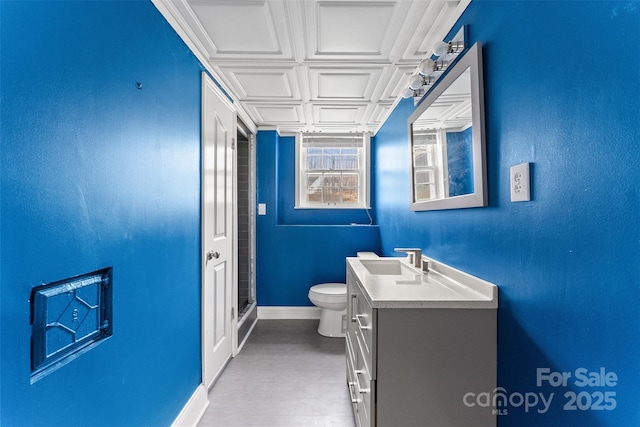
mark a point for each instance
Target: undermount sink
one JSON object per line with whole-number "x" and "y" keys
{"x": 388, "y": 267}
{"x": 393, "y": 282}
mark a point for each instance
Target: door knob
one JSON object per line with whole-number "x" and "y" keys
{"x": 211, "y": 255}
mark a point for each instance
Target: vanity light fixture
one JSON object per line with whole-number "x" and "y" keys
{"x": 416, "y": 82}
{"x": 431, "y": 68}
{"x": 440, "y": 48}
{"x": 427, "y": 66}
{"x": 418, "y": 85}
{"x": 446, "y": 48}
{"x": 407, "y": 92}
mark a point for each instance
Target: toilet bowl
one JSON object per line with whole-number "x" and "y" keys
{"x": 332, "y": 299}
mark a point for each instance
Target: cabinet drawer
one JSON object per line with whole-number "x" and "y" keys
{"x": 365, "y": 389}
{"x": 351, "y": 383}
{"x": 361, "y": 324}
{"x": 364, "y": 320}
{"x": 350, "y": 346}
{"x": 352, "y": 296}
{"x": 361, "y": 314}
{"x": 365, "y": 412}
{"x": 351, "y": 324}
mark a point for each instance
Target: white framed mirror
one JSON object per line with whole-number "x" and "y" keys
{"x": 447, "y": 140}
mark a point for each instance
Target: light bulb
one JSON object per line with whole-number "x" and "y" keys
{"x": 408, "y": 93}
{"x": 416, "y": 81}
{"x": 426, "y": 66}
{"x": 441, "y": 49}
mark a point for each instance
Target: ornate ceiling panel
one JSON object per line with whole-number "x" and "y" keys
{"x": 312, "y": 65}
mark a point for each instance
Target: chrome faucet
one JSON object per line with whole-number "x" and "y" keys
{"x": 414, "y": 254}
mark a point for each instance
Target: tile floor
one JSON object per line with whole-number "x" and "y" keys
{"x": 286, "y": 375}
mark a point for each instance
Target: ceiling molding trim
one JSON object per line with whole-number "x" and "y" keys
{"x": 167, "y": 10}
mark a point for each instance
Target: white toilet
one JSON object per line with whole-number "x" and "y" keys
{"x": 332, "y": 299}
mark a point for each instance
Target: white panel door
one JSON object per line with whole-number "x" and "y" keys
{"x": 218, "y": 135}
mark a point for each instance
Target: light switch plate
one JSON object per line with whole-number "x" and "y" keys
{"x": 519, "y": 183}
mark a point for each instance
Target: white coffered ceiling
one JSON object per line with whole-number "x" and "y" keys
{"x": 312, "y": 65}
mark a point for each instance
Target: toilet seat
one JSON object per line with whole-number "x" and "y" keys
{"x": 329, "y": 292}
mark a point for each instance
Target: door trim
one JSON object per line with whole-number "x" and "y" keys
{"x": 208, "y": 82}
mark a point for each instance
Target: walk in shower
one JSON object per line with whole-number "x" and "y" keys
{"x": 245, "y": 218}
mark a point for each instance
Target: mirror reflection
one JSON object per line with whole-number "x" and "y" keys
{"x": 442, "y": 152}
{"x": 447, "y": 143}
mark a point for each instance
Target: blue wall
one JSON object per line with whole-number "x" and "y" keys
{"x": 561, "y": 91}
{"x": 97, "y": 173}
{"x": 298, "y": 248}
{"x": 460, "y": 162}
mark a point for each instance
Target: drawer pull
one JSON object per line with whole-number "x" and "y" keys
{"x": 360, "y": 325}
{"x": 352, "y": 393}
{"x": 353, "y": 300}
{"x": 362, "y": 390}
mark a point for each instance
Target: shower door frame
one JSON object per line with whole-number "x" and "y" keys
{"x": 250, "y": 313}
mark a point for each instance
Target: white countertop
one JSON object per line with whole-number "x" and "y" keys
{"x": 441, "y": 287}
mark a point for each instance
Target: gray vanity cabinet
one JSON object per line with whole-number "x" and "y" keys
{"x": 413, "y": 366}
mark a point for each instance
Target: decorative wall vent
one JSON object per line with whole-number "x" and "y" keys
{"x": 68, "y": 318}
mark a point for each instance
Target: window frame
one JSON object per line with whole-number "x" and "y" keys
{"x": 433, "y": 144}
{"x": 364, "y": 156}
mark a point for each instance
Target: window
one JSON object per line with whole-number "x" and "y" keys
{"x": 332, "y": 171}
{"x": 429, "y": 169}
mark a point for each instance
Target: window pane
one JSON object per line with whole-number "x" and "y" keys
{"x": 314, "y": 162}
{"x": 350, "y": 195}
{"x": 425, "y": 138}
{"x": 349, "y": 162}
{"x": 332, "y": 195}
{"x": 350, "y": 180}
{"x": 315, "y": 197}
{"x": 424, "y": 177}
{"x": 422, "y": 157}
{"x": 331, "y": 162}
{"x": 314, "y": 187}
{"x": 332, "y": 181}
{"x": 425, "y": 192}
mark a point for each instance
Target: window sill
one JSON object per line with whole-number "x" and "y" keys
{"x": 333, "y": 207}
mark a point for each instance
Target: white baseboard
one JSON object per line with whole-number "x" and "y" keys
{"x": 289, "y": 312}
{"x": 193, "y": 411}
